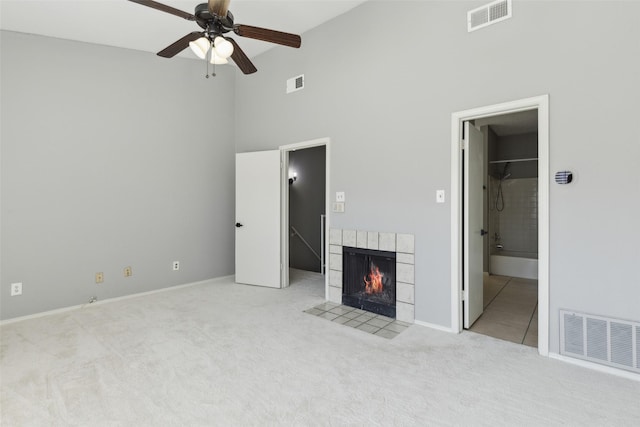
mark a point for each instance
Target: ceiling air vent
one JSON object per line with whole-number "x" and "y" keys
{"x": 295, "y": 83}
{"x": 488, "y": 14}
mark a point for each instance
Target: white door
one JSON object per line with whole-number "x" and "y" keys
{"x": 258, "y": 218}
{"x": 473, "y": 220}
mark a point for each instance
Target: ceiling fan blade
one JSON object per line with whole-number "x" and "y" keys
{"x": 272, "y": 36}
{"x": 165, "y": 8}
{"x": 219, "y": 7}
{"x": 241, "y": 59}
{"x": 178, "y": 46}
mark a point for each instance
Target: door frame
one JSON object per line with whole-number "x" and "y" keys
{"x": 540, "y": 103}
{"x": 284, "y": 211}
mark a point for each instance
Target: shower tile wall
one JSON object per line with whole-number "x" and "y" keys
{"x": 517, "y": 224}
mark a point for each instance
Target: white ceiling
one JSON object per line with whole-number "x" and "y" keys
{"x": 121, "y": 23}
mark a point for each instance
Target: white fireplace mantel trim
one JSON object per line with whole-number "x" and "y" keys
{"x": 404, "y": 247}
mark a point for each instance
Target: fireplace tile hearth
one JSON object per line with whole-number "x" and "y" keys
{"x": 372, "y": 240}
{"x": 405, "y": 243}
{"x": 400, "y": 247}
{"x": 327, "y": 315}
{"x": 405, "y": 292}
{"x": 387, "y": 242}
{"x": 349, "y": 238}
{"x": 365, "y": 321}
{"x": 362, "y": 239}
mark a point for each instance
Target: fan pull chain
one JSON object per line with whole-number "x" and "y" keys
{"x": 213, "y": 73}
{"x": 206, "y": 62}
{"x": 207, "y": 58}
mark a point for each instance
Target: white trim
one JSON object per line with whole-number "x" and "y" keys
{"x": 284, "y": 150}
{"x": 306, "y": 144}
{"x": 284, "y": 219}
{"x": 110, "y": 300}
{"x": 541, "y": 103}
{"x": 596, "y": 367}
{"x": 434, "y": 326}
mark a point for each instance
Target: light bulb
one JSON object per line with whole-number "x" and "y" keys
{"x": 200, "y": 47}
{"x": 223, "y": 47}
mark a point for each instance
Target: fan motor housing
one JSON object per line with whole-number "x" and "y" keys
{"x": 214, "y": 23}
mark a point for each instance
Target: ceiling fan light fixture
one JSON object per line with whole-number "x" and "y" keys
{"x": 222, "y": 47}
{"x": 200, "y": 47}
{"x": 215, "y": 19}
{"x": 217, "y": 60}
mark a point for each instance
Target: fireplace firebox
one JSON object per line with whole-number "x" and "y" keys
{"x": 369, "y": 280}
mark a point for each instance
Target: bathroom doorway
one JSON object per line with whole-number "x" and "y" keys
{"x": 468, "y": 291}
{"x": 510, "y": 218}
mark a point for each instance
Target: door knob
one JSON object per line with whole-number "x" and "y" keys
{"x": 238, "y": 225}
{"x": 482, "y": 232}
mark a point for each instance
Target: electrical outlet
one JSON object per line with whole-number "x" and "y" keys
{"x": 99, "y": 277}
{"x": 176, "y": 265}
{"x": 16, "y": 289}
{"x": 128, "y": 272}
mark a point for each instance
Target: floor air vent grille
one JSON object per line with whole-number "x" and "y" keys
{"x": 488, "y": 14}
{"x": 611, "y": 342}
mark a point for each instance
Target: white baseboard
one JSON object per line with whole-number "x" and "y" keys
{"x": 596, "y": 367}
{"x": 434, "y": 326}
{"x": 109, "y": 300}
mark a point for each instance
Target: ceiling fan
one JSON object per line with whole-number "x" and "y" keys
{"x": 216, "y": 20}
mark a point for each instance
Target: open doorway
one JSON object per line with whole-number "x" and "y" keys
{"x": 305, "y": 219}
{"x": 510, "y": 223}
{"x": 472, "y": 193}
{"x": 307, "y": 178}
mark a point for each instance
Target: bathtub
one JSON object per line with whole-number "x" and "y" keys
{"x": 514, "y": 264}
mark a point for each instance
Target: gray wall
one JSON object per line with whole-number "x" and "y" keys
{"x": 110, "y": 158}
{"x": 306, "y": 204}
{"x": 385, "y": 99}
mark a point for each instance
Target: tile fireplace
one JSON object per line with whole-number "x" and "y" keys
{"x": 373, "y": 271}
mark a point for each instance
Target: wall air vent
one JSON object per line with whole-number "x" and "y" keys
{"x": 488, "y": 14}
{"x": 295, "y": 83}
{"x": 600, "y": 339}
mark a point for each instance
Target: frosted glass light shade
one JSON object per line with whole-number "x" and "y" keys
{"x": 215, "y": 59}
{"x": 200, "y": 47}
{"x": 222, "y": 47}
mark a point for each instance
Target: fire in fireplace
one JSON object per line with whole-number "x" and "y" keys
{"x": 369, "y": 280}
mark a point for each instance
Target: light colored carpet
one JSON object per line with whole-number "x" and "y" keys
{"x": 219, "y": 353}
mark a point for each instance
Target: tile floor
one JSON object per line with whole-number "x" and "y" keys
{"x": 372, "y": 323}
{"x": 510, "y": 310}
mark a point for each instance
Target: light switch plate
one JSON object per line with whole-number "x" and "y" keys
{"x": 340, "y": 196}
{"x": 439, "y": 196}
{"x": 338, "y": 207}
{"x": 16, "y": 289}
